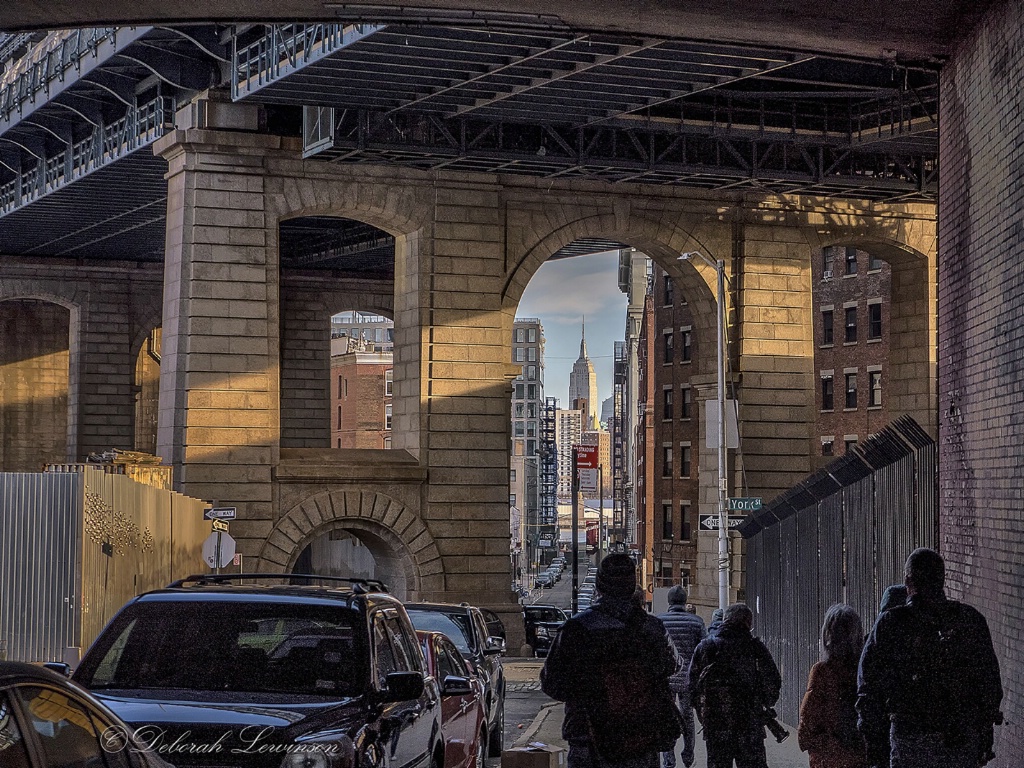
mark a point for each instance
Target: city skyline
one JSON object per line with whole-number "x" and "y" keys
{"x": 562, "y": 294}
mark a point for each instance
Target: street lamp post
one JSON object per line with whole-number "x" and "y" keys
{"x": 723, "y": 519}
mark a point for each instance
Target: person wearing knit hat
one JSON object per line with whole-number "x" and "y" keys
{"x": 611, "y": 664}
{"x": 716, "y": 621}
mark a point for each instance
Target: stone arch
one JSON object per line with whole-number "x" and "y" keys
{"x": 662, "y": 240}
{"x": 368, "y": 512}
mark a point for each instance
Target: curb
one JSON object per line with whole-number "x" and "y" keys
{"x": 538, "y": 721}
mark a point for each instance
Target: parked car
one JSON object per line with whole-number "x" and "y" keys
{"x": 466, "y": 627}
{"x": 542, "y": 623}
{"x": 46, "y": 720}
{"x": 334, "y": 674}
{"x": 463, "y": 719}
{"x": 544, "y": 581}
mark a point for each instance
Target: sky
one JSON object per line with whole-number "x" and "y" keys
{"x": 561, "y": 294}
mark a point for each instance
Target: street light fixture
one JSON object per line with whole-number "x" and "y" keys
{"x": 723, "y": 519}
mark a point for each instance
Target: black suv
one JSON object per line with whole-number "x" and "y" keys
{"x": 542, "y": 623}
{"x": 207, "y": 673}
{"x": 480, "y": 640}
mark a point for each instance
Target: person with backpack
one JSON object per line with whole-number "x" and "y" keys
{"x": 685, "y": 630}
{"x": 611, "y": 665}
{"x": 734, "y": 684}
{"x": 928, "y": 685}
{"x": 828, "y": 714}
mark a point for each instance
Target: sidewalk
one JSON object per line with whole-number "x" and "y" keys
{"x": 547, "y": 728}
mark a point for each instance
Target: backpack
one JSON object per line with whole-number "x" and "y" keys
{"x": 727, "y": 693}
{"x": 631, "y": 712}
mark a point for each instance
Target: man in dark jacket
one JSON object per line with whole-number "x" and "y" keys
{"x": 610, "y": 664}
{"x": 685, "y": 630}
{"x": 733, "y": 681}
{"x": 928, "y": 687}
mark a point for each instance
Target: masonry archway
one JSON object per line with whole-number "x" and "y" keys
{"x": 402, "y": 549}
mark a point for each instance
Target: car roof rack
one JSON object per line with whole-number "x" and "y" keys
{"x": 359, "y": 586}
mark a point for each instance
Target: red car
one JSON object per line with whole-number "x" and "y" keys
{"x": 463, "y": 722}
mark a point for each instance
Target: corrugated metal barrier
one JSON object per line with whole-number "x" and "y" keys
{"x": 840, "y": 536}
{"x": 75, "y": 545}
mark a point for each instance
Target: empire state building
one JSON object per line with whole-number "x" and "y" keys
{"x": 583, "y": 386}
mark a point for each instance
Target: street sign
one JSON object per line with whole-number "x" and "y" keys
{"x": 710, "y": 522}
{"x": 587, "y": 461}
{"x": 745, "y": 504}
{"x": 226, "y": 546}
{"x": 220, "y": 525}
{"x": 219, "y": 513}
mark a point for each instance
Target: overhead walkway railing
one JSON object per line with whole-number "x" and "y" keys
{"x": 140, "y": 127}
{"x": 56, "y": 61}
{"x": 287, "y": 48}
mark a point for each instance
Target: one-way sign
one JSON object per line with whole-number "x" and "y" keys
{"x": 710, "y": 522}
{"x": 219, "y": 513}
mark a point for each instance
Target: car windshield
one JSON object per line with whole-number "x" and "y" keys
{"x": 454, "y": 626}
{"x": 291, "y": 648}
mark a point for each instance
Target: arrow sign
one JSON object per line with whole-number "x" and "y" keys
{"x": 220, "y": 525}
{"x": 710, "y": 522}
{"x": 219, "y": 513}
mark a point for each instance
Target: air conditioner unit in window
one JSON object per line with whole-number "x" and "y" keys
{"x": 826, "y": 275}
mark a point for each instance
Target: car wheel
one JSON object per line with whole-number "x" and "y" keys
{"x": 496, "y": 738}
{"x": 481, "y": 749}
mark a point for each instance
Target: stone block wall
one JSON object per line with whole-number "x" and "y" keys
{"x": 981, "y": 343}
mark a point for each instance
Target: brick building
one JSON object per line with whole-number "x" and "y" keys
{"x": 361, "y": 391}
{"x": 851, "y": 300}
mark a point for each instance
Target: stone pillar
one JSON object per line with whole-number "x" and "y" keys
{"x": 219, "y": 387}
{"x": 464, "y": 352}
{"x": 305, "y": 371}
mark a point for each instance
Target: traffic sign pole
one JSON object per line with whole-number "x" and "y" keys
{"x": 219, "y": 535}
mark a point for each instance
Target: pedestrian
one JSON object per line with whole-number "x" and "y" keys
{"x": 928, "y": 687}
{"x": 611, "y": 664}
{"x": 685, "y": 630}
{"x": 734, "y": 684}
{"x": 894, "y": 595}
{"x": 828, "y": 714}
{"x": 716, "y": 622}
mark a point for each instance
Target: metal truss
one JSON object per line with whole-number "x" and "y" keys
{"x": 705, "y": 155}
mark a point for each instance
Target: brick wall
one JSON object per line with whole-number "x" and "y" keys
{"x": 981, "y": 342}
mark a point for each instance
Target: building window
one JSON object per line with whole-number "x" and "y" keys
{"x": 519, "y": 411}
{"x": 531, "y": 429}
{"x": 684, "y": 519}
{"x": 669, "y": 349}
{"x": 519, "y": 391}
{"x": 518, "y": 355}
{"x": 827, "y": 446}
{"x": 849, "y": 442}
{"x": 531, "y": 335}
{"x": 339, "y": 417}
{"x": 828, "y": 256}
{"x": 341, "y": 387}
{"x": 684, "y": 460}
{"x": 387, "y": 443}
{"x": 667, "y": 395}
{"x": 851, "y": 390}
{"x": 686, "y": 403}
{"x": 531, "y": 354}
{"x": 520, "y": 335}
{"x": 851, "y": 324}
{"x": 669, "y": 297}
{"x": 851, "y": 261}
{"x": 875, "y": 392}
{"x": 687, "y": 344}
{"x": 531, "y": 410}
{"x": 511, "y": 475}
{"x": 666, "y": 468}
{"x": 389, "y": 383}
{"x": 519, "y": 429}
{"x": 531, "y": 372}
{"x": 827, "y": 335}
{"x": 387, "y": 416}
{"x": 531, "y": 447}
{"x": 531, "y": 391}
{"x": 339, "y": 442}
{"x": 874, "y": 264}
{"x": 827, "y": 394}
{"x": 666, "y": 522}
{"x": 512, "y": 499}
{"x": 875, "y": 321}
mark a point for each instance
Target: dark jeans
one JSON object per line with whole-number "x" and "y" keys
{"x": 582, "y": 756}
{"x": 928, "y": 750}
{"x": 668, "y": 759}
{"x": 746, "y": 748}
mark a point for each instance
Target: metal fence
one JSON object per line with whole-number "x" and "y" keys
{"x": 840, "y": 536}
{"x": 76, "y": 545}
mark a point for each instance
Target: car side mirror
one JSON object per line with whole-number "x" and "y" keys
{"x": 456, "y": 686}
{"x": 59, "y": 667}
{"x": 402, "y": 686}
{"x": 494, "y": 645}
